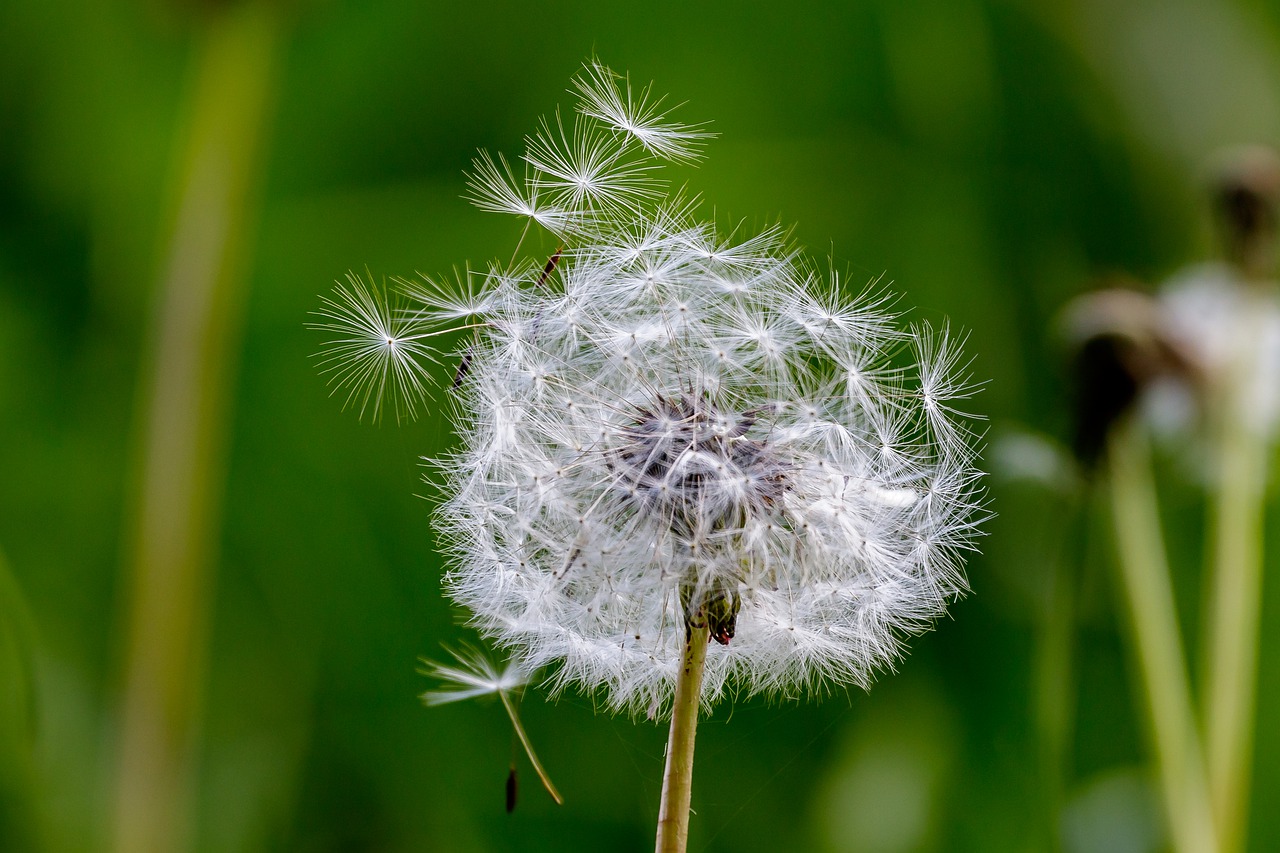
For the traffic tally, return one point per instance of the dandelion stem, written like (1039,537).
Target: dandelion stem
(1158,645)
(1230,644)
(677,779)
(528,748)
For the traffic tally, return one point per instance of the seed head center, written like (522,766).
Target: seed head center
(697,468)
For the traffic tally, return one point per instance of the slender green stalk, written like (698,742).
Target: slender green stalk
(528,748)
(1230,641)
(677,779)
(1158,644)
(1054,681)
(182,428)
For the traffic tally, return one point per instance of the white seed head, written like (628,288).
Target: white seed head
(1229,327)
(663,421)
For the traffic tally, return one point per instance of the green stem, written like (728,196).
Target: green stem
(1158,644)
(1053,686)
(677,779)
(528,748)
(183,417)
(1230,642)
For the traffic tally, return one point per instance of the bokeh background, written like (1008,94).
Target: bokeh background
(990,158)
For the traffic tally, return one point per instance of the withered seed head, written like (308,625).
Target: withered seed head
(1246,204)
(1121,343)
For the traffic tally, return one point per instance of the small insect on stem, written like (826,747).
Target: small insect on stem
(511,790)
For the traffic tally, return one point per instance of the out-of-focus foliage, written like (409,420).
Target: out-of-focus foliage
(988,156)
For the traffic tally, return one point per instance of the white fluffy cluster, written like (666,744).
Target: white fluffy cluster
(660,422)
(1225,324)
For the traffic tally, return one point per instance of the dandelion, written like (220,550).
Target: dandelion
(671,437)
(1207,344)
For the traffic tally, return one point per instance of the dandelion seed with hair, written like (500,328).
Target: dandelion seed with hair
(688,464)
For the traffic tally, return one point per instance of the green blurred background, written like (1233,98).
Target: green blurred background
(989,157)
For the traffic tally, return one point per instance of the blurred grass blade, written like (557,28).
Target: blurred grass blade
(18,715)
(183,423)
(1054,676)
(17,658)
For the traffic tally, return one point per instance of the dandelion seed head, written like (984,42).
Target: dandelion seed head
(667,421)
(1225,323)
